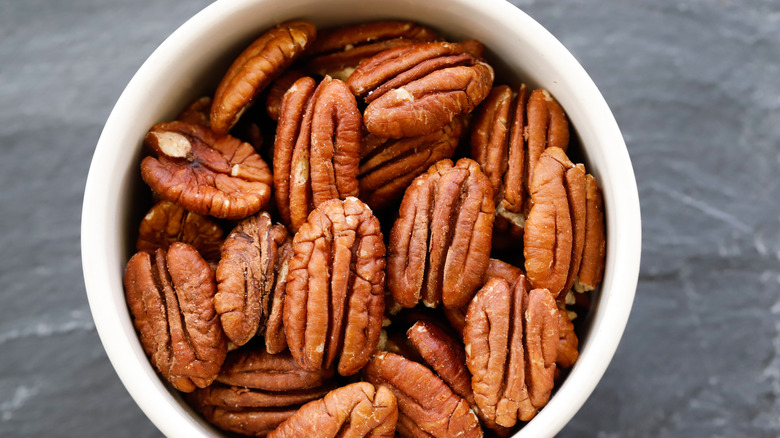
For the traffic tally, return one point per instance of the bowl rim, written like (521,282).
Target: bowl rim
(623,228)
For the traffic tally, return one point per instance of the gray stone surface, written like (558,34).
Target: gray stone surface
(694,86)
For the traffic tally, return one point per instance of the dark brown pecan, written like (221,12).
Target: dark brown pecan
(511,338)
(337,52)
(208,174)
(335,293)
(317,148)
(422,397)
(356,410)
(247,276)
(592,265)
(555,230)
(197,112)
(388,166)
(166,223)
(269,372)
(170,295)
(440,243)
(255,68)
(273,103)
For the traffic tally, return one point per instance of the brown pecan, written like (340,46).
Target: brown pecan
(208,174)
(275,339)
(197,112)
(317,148)
(246,276)
(511,338)
(592,265)
(335,292)
(337,52)
(422,397)
(166,223)
(440,243)
(247,421)
(499,269)
(269,372)
(388,166)
(555,230)
(273,103)
(567,351)
(170,295)
(255,68)
(356,410)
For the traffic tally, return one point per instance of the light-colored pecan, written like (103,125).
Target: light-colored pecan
(258,369)
(422,397)
(440,243)
(166,223)
(388,166)
(206,173)
(273,103)
(592,265)
(418,89)
(356,410)
(170,295)
(335,292)
(197,112)
(555,230)
(247,276)
(317,148)
(511,338)
(259,64)
(337,52)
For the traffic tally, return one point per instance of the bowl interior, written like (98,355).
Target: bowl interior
(189,64)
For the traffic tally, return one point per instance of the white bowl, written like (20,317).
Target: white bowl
(191,61)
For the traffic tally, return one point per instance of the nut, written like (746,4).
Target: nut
(269,372)
(317,148)
(166,223)
(255,68)
(422,397)
(416,90)
(337,52)
(197,113)
(440,243)
(273,103)
(246,276)
(356,410)
(335,292)
(568,344)
(206,173)
(170,295)
(592,265)
(388,166)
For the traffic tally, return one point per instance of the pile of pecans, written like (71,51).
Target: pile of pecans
(306,319)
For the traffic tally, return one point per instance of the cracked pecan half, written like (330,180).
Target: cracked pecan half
(317,148)
(356,410)
(440,243)
(259,64)
(259,369)
(511,338)
(416,90)
(206,173)
(423,397)
(337,52)
(554,235)
(166,223)
(592,266)
(388,166)
(170,295)
(335,292)
(247,276)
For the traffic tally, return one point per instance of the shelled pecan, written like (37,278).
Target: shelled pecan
(592,265)
(277,89)
(166,223)
(257,369)
(197,112)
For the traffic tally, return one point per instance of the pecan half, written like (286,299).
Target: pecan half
(440,243)
(197,112)
(555,230)
(388,166)
(337,52)
(356,410)
(273,103)
(317,148)
(422,397)
(592,265)
(511,338)
(255,68)
(568,351)
(335,292)
(170,295)
(246,276)
(269,372)
(166,223)
(418,89)
(208,174)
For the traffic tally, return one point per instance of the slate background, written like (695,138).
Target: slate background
(694,86)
